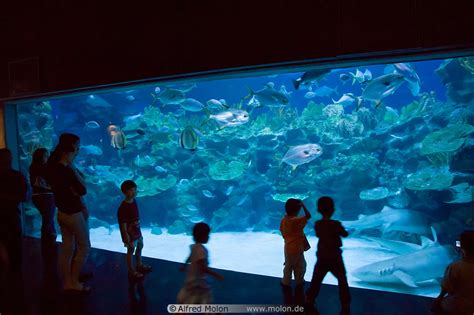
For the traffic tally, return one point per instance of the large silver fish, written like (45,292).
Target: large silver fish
(267,96)
(410,76)
(192,105)
(381,87)
(231,117)
(302,154)
(170,96)
(310,77)
(324,91)
(347,99)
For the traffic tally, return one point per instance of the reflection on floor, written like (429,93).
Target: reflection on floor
(113,294)
(227,250)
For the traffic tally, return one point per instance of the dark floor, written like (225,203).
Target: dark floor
(112,293)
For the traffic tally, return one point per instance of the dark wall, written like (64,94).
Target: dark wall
(87,43)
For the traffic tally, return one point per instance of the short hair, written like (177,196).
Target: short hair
(5,158)
(126,185)
(292,206)
(68,139)
(467,241)
(201,232)
(326,205)
(65,145)
(39,154)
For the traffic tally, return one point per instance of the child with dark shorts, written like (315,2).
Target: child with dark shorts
(129,222)
(329,255)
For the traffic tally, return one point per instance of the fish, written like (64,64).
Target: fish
(169,97)
(367,75)
(184,182)
(309,94)
(410,269)
(92,124)
(358,76)
(118,140)
(164,129)
(161,169)
(192,208)
(196,219)
(410,76)
(310,77)
(145,161)
(229,190)
(461,193)
(192,105)
(189,140)
(284,91)
(402,248)
(381,87)
(347,99)
(344,77)
(243,200)
(270,85)
(91,150)
(390,219)
(185,88)
(302,154)
(141,132)
(231,117)
(208,194)
(324,91)
(97,101)
(179,112)
(267,96)
(131,118)
(215,104)
(112,129)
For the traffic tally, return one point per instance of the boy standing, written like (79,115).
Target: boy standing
(196,289)
(129,222)
(291,227)
(329,255)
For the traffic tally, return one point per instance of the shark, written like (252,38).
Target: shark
(410,269)
(404,247)
(390,219)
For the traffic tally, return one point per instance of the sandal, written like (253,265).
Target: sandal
(144,268)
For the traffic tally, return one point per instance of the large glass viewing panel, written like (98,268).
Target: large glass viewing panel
(391,143)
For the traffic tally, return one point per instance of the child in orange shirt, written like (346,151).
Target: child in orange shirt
(291,227)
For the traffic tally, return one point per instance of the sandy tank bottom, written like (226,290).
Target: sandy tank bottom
(259,253)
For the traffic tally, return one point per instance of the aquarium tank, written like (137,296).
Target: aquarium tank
(392,144)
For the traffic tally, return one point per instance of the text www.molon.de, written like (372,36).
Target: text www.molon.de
(234,308)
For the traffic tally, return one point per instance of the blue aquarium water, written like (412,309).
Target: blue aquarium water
(391,143)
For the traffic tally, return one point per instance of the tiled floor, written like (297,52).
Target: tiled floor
(113,294)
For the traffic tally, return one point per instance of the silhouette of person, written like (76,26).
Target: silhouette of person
(13,189)
(196,289)
(457,287)
(329,254)
(291,228)
(129,223)
(69,188)
(42,196)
